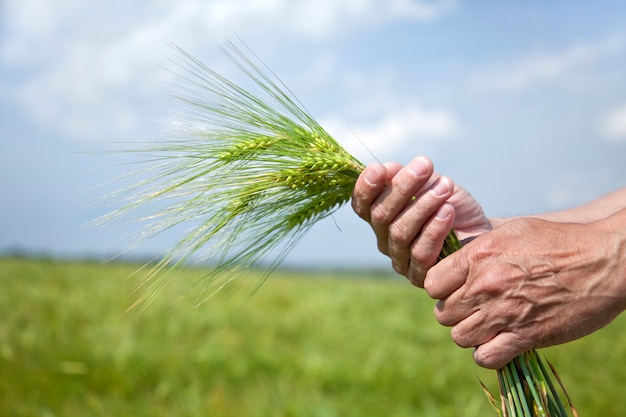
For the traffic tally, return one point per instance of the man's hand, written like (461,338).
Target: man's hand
(411,210)
(528,284)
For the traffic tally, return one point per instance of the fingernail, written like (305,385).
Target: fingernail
(371,177)
(419,167)
(444,212)
(441,187)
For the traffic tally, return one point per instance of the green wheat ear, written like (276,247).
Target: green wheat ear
(253,173)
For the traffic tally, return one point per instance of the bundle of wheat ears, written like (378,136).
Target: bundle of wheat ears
(253,172)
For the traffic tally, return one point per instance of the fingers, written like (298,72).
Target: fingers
(495,345)
(396,197)
(485,325)
(407,209)
(476,329)
(404,185)
(369,185)
(406,226)
(426,247)
(448,275)
(500,350)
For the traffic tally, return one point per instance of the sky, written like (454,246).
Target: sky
(522,103)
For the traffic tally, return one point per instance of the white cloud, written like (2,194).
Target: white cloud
(326,18)
(544,68)
(94,68)
(394,131)
(613,124)
(61,24)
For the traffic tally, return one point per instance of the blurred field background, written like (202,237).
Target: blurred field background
(306,344)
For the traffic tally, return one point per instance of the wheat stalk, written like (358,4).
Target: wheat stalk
(253,173)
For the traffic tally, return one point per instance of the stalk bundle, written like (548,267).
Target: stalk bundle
(254,172)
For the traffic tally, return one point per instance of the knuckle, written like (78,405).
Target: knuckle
(399,267)
(359,200)
(483,248)
(379,215)
(429,235)
(487,285)
(424,257)
(420,248)
(398,234)
(483,287)
(431,288)
(460,338)
(403,187)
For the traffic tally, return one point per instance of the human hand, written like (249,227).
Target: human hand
(528,284)
(411,210)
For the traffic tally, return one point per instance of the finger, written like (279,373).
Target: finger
(500,350)
(475,330)
(392,169)
(461,304)
(398,194)
(425,249)
(404,229)
(447,276)
(368,186)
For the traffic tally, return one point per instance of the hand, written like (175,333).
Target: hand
(528,284)
(411,210)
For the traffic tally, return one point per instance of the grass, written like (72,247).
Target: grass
(306,344)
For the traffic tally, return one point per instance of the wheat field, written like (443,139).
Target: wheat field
(307,343)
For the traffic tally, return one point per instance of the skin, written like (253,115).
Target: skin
(522,283)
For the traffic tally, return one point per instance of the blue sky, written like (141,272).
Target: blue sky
(523,103)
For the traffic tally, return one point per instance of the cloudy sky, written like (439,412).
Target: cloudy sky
(523,103)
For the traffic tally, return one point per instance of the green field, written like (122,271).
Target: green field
(306,344)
